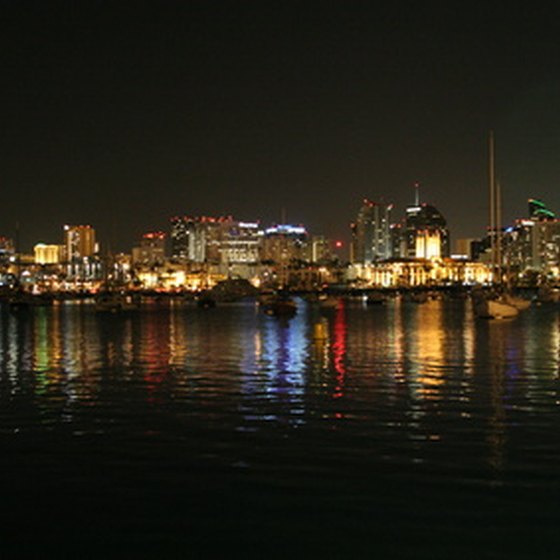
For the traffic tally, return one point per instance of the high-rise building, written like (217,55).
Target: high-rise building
(79,242)
(534,243)
(425,234)
(181,231)
(539,211)
(371,236)
(319,250)
(151,250)
(198,239)
(284,243)
(241,243)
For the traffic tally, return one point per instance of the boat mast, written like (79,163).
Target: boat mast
(492,205)
(499,263)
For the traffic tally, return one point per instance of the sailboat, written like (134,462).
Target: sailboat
(502,304)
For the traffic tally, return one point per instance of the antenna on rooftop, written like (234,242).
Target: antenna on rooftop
(417,194)
(17,247)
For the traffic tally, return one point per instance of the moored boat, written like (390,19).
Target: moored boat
(278,305)
(114,302)
(494,308)
(519,303)
(376,298)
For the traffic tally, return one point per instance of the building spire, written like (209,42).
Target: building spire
(417,193)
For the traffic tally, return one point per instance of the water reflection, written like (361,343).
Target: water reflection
(417,372)
(339,350)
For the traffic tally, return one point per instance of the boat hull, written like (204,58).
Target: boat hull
(495,309)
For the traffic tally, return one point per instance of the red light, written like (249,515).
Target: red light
(338,244)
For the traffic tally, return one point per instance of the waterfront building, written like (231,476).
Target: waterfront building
(410,273)
(371,236)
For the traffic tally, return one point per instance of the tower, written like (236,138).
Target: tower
(371,233)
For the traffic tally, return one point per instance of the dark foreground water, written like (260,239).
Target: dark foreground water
(410,431)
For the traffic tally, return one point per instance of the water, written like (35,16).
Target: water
(410,431)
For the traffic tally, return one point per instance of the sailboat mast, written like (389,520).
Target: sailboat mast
(492,203)
(499,262)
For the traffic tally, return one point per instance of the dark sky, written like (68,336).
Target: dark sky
(123,114)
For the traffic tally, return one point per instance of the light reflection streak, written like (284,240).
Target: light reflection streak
(285,354)
(469,340)
(339,350)
(429,343)
(155,351)
(501,349)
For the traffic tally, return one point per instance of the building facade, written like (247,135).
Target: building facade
(425,234)
(371,234)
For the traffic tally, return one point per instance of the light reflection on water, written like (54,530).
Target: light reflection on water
(408,391)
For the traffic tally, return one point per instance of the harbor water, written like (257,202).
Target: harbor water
(399,430)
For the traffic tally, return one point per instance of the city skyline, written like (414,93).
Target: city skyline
(121,118)
(342,244)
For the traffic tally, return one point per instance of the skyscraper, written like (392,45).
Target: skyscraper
(198,239)
(371,238)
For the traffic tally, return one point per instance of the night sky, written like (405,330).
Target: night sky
(122,114)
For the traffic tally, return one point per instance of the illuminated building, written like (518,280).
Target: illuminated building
(79,242)
(180,233)
(151,251)
(83,264)
(7,249)
(47,254)
(418,272)
(533,245)
(319,250)
(240,243)
(538,210)
(197,240)
(425,233)
(428,244)
(284,243)
(371,238)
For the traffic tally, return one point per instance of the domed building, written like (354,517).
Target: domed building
(426,234)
